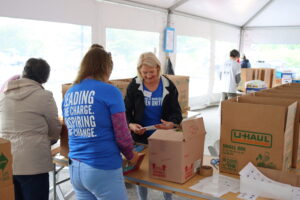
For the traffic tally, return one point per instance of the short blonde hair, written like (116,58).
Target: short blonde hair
(149,59)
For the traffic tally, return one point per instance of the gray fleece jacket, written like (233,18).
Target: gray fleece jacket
(29,120)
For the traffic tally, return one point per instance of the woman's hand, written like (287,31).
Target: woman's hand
(165,125)
(135,158)
(136,128)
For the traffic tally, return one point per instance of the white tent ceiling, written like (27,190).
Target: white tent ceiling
(241,13)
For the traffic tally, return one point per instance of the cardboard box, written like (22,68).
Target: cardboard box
(269,76)
(257,130)
(264,74)
(122,84)
(288,177)
(177,155)
(291,85)
(247,74)
(7,192)
(182,85)
(5,163)
(64,88)
(64,141)
(296,138)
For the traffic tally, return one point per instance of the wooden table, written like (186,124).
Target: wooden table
(141,177)
(61,162)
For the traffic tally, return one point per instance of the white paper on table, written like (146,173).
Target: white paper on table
(148,128)
(217,185)
(247,196)
(296,193)
(252,181)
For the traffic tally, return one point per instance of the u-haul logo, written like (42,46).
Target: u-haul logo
(251,138)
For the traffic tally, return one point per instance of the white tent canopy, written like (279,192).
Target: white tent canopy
(245,13)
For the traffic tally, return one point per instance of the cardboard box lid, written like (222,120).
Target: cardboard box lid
(167,135)
(193,126)
(289,104)
(190,128)
(5,146)
(3,141)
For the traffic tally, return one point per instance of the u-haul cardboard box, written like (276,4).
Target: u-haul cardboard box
(257,130)
(5,163)
(177,155)
(296,138)
(7,192)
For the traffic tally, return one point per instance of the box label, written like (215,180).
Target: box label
(188,171)
(251,138)
(4,176)
(3,161)
(230,164)
(158,171)
(263,160)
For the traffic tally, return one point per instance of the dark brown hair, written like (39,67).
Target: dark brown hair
(36,69)
(96,46)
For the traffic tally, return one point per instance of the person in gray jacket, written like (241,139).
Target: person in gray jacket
(29,120)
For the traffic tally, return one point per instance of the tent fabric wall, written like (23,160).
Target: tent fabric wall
(271,36)
(127,17)
(67,11)
(102,15)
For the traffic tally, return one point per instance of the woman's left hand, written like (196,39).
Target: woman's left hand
(165,125)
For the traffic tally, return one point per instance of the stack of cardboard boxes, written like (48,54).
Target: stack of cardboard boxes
(262,128)
(264,74)
(6,182)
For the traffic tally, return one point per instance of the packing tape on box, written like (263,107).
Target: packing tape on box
(206,170)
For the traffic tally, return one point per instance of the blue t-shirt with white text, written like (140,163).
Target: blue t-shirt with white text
(87,109)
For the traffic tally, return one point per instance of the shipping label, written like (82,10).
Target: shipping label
(158,171)
(188,171)
(230,164)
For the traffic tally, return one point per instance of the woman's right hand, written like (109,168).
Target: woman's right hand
(137,129)
(135,158)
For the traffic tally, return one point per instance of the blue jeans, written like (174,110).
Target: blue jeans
(95,184)
(143,193)
(31,187)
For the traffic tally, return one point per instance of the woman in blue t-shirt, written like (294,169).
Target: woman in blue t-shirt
(94,113)
(151,99)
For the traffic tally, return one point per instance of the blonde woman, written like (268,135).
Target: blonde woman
(151,99)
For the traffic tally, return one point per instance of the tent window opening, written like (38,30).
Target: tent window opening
(193,59)
(61,45)
(279,56)
(126,46)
